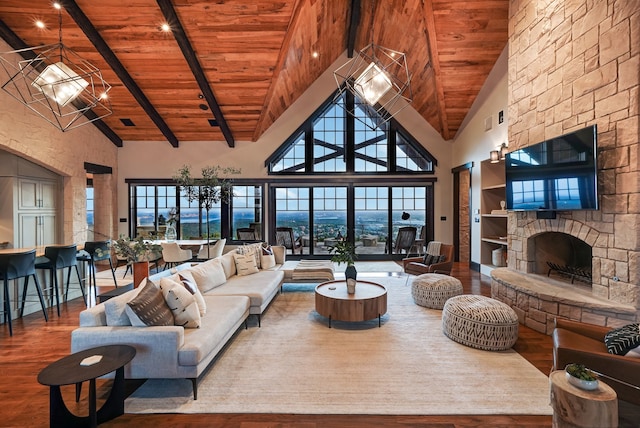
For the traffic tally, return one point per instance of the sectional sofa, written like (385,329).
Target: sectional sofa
(228,296)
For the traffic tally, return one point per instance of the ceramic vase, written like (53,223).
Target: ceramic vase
(140,272)
(171,234)
(350,274)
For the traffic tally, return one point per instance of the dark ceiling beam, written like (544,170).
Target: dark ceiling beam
(92,34)
(190,56)
(18,44)
(353,27)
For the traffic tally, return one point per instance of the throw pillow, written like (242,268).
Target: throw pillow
(245,264)
(428,258)
(190,284)
(208,275)
(267,259)
(253,250)
(228,264)
(621,340)
(181,302)
(149,305)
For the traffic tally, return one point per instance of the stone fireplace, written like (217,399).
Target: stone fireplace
(561,255)
(573,64)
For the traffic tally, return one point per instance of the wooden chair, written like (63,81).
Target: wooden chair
(404,240)
(419,243)
(284,237)
(246,234)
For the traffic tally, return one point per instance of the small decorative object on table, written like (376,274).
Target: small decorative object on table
(345,251)
(136,251)
(581,377)
(171,233)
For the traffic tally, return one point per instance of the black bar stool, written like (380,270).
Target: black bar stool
(93,252)
(14,266)
(60,257)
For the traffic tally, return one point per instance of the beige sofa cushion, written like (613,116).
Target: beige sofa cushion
(208,275)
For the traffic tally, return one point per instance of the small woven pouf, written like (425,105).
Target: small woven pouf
(480,322)
(431,290)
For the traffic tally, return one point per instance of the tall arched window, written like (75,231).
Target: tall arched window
(343,180)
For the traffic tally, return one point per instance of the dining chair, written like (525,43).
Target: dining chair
(173,255)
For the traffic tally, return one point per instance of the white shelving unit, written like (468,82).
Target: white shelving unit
(493,224)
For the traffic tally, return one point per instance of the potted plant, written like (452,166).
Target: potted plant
(580,376)
(137,252)
(345,252)
(209,190)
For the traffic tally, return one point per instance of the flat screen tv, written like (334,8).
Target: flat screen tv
(559,174)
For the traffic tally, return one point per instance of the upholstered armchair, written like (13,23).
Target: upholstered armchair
(581,343)
(416,265)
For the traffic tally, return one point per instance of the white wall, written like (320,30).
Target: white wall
(473,144)
(160,160)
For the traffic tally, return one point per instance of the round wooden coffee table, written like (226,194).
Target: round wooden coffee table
(368,302)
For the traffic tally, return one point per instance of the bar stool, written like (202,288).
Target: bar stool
(93,252)
(60,257)
(14,266)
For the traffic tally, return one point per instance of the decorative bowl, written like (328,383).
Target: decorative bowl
(581,377)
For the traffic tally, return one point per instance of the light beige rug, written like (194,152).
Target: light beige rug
(294,363)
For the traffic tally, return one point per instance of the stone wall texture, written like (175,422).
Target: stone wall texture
(572,64)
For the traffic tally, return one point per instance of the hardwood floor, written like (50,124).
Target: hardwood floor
(35,344)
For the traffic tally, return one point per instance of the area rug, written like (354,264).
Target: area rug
(296,364)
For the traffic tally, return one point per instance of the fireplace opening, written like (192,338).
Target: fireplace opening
(563,257)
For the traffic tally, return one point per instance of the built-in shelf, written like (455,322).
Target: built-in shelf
(493,227)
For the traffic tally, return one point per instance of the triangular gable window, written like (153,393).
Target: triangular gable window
(333,141)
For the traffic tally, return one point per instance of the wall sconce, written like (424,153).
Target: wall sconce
(499,154)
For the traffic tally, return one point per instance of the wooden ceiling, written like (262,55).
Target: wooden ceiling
(244,62)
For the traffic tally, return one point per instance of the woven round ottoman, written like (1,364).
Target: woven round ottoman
(480,322)
(431,290)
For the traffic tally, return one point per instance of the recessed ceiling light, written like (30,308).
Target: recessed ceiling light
(165,27)
(57,5)
(40,24)
(315,54)
(127,122)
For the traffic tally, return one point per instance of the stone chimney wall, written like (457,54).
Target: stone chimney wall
(575,63)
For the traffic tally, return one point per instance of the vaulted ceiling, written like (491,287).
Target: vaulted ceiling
(244,62)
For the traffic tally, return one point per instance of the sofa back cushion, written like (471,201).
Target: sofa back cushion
(208,275)
(115,308)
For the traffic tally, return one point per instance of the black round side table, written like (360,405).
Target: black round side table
(69,370)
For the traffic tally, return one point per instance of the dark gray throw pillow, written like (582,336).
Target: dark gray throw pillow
(621,340)
(428,259)
(149,305)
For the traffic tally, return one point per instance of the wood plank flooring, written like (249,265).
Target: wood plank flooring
(35,344)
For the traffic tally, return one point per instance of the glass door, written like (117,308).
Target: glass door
(329,219)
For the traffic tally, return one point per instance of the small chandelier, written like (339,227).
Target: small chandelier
(379,80)
(56,83)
